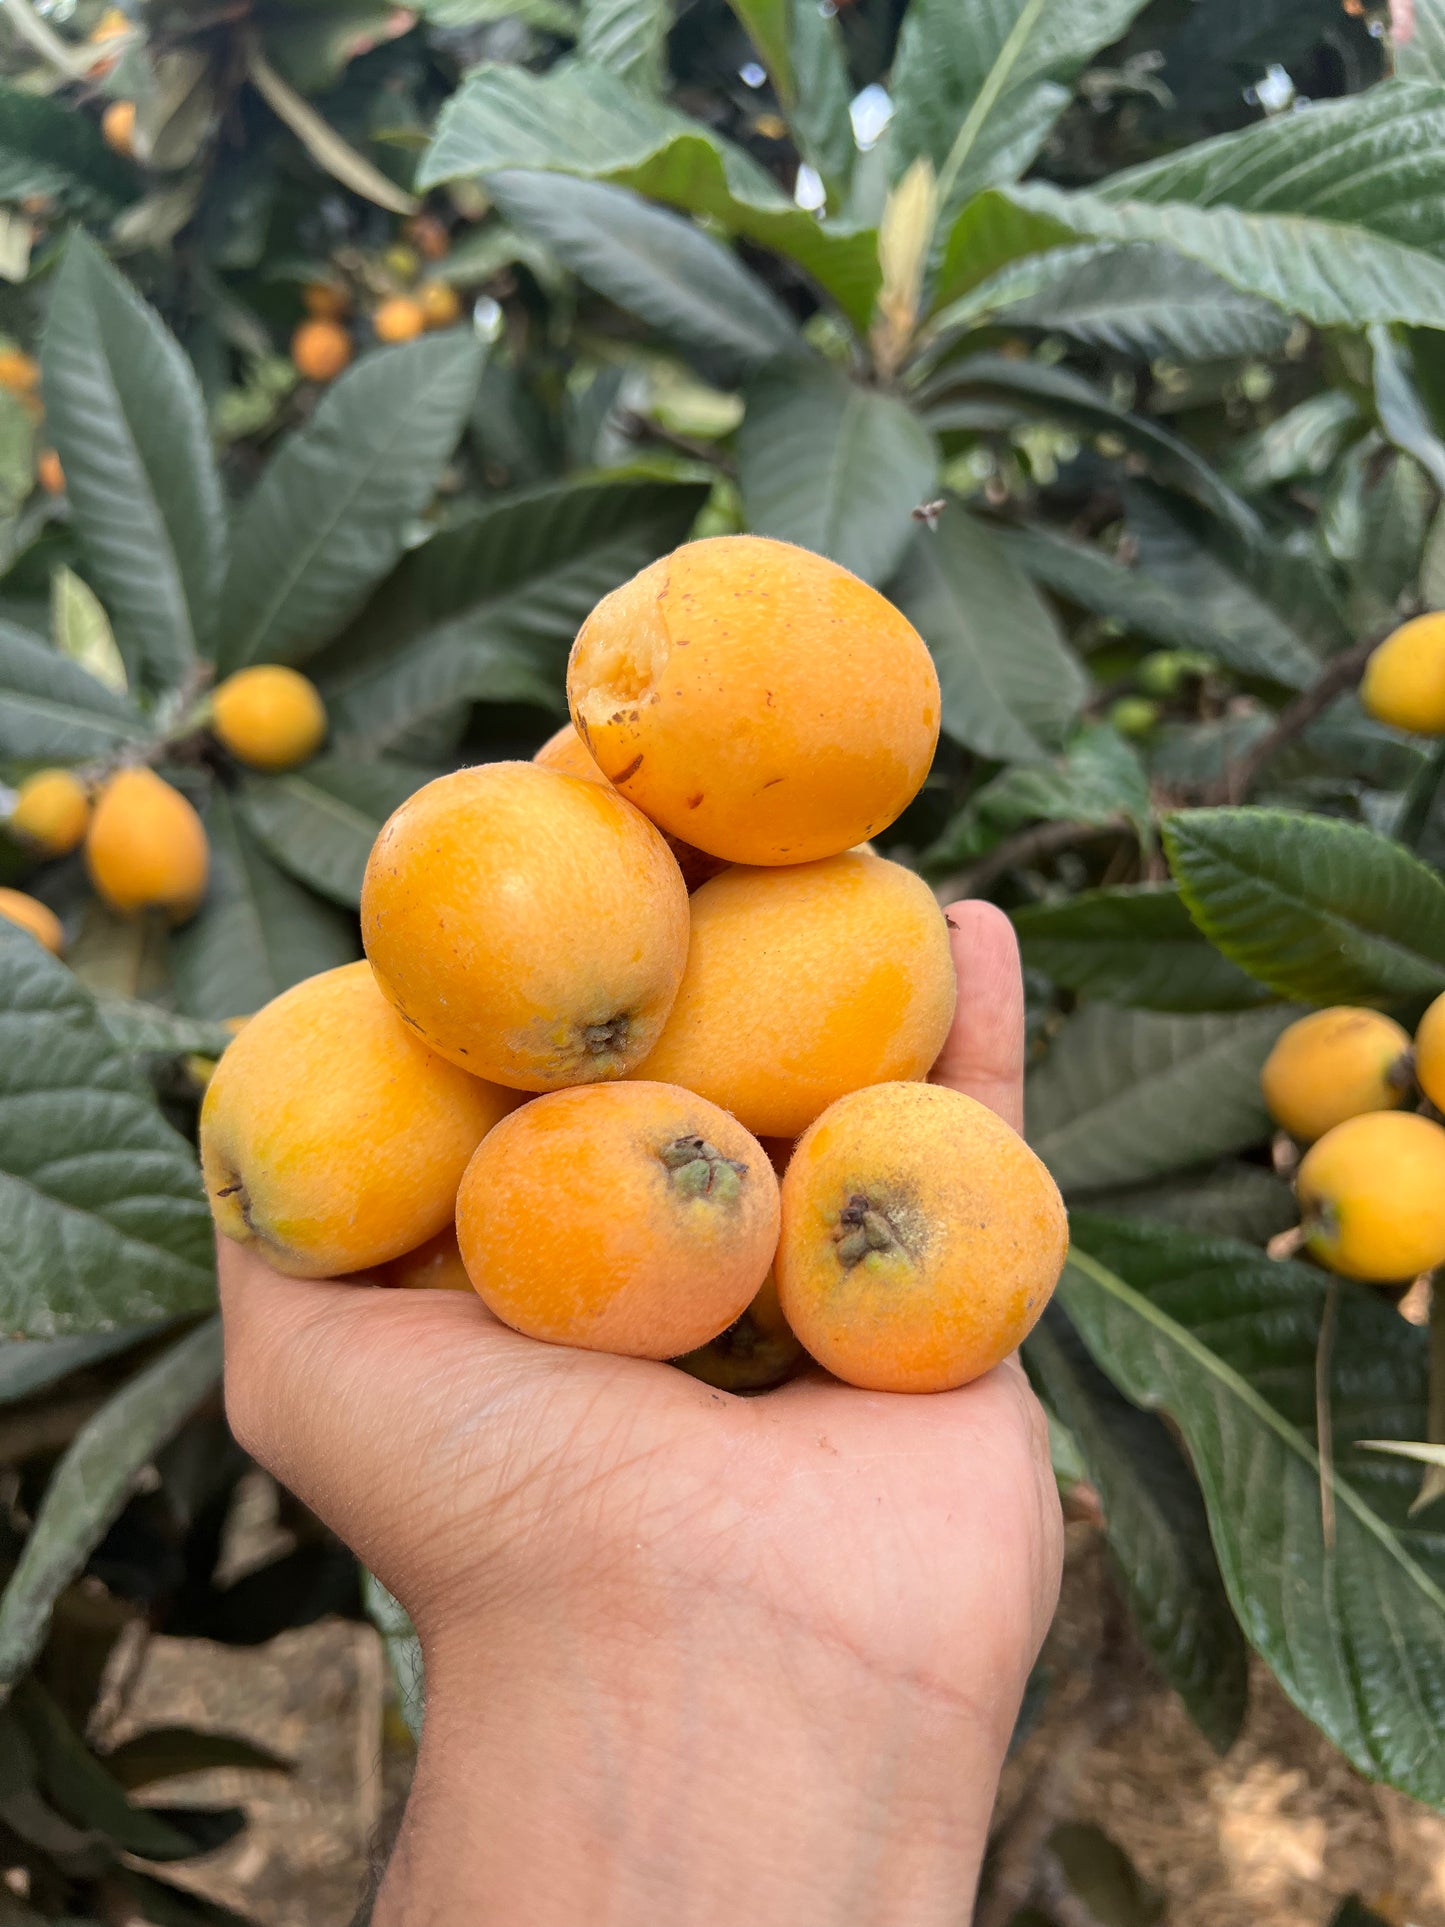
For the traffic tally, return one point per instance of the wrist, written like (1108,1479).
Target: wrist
(708,1765)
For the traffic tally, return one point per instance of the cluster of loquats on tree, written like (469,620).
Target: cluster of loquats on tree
(563,1079)
(146,850)
(1371,1186)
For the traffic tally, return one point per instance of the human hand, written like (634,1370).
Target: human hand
(689,1657)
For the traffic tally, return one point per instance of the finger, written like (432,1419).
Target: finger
(983,1054)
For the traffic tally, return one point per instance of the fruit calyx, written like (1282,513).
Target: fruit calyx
(861,1230)
(699,1170)
(606,1039)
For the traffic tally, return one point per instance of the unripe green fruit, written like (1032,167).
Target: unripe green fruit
(1134,715)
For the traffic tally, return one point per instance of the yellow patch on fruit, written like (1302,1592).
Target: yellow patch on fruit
(52,812)
(1404,680)
(269,717)
(1332,1065)
(1372,1196)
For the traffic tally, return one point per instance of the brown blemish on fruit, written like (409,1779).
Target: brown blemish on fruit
(693,801)
(626,775)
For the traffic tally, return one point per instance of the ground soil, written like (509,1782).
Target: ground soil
(1278,1832)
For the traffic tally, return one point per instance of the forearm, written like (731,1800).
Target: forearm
(745,1771)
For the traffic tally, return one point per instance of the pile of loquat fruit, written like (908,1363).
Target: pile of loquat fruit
(640,1045)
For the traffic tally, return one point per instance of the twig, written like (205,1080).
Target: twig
(74,62)
(1324,1416)
(1342,673)
(642,428)
(1025,847)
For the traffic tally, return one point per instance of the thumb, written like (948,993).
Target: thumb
(983,1054)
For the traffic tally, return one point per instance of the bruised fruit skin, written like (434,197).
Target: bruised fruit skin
(435,1266)
(35,917)
(629,1218)
(331,1140)
(52,812)
(1372,1196)
(1332,1065)
(567,752)
(269,717)
(921,1239)
(756,699)
(146,847)
(532,927)
(804,984)
(757,1351)
(1430,1053)
(1404,680)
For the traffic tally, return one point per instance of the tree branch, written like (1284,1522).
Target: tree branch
(1341,673)
(1025,847)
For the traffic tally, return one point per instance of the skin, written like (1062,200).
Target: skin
(1332,1065)
(1372,1196)
(1430,1053)
(803,984)
(146,847)
(269,716)
(690,1658)
(529,926)
(739,667)
(52,811)
(580,1212)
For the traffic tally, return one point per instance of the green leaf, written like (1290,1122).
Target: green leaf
(1124,1095)
(146,1028)
(1299,445)
(33,1364)
(257,933)
(46,147)
(1041,391)
(1011,686)
(1232,1199)
(328,519)
(582,120)
(1334,214)
(124,411)
(52,708)
(1402,413)
(1318,909)
(1100,779)
(1185,596)
(1137,946)
(1224,1340)
(656,264)
(1421,55)
(166,1752)
(977,84)
(92,1482)
(1157,1529)
(17,451)
(818,107)
(1142,300)
(106,1222)
(320,822)
(489,609)
(832,466)
(552,16)
(81,630)
(628,38)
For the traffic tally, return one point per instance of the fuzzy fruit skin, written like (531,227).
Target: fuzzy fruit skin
(435,1266)
(530,926)
(117,126)
(757,1351)
(807,983)
(37,918)
(578,1224)
(52,811)
(146,847)
(49,473)
(440,304)
(566,751)
(1332,1065)
(1372,1196)
(269,717)
(320,349)
(972,1236)
(346,1136)
(756,699)
(399,319)
(1430,1053)
(1404,680)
